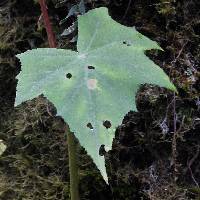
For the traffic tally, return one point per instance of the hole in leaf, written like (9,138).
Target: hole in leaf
(68,75)
(102,150)
(89,125)
(107,124)
(91,67)
(127,43)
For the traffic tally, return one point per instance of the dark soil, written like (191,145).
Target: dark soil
(156,151)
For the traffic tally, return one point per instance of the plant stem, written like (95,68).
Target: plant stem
(51,37)
(73,166)
(71,140)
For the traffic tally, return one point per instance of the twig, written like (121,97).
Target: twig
(180,52)
(190,162)
(174,147)
(129,3)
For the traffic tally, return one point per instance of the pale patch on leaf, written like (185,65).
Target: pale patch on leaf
(92,84)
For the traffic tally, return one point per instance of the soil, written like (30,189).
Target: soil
(156,151)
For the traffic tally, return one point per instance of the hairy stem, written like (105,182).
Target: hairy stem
(73,166)
(50,34)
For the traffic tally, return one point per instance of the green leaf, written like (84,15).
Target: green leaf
(2,147)
(103,78)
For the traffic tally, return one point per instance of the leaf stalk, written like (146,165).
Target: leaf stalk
(71,140)
(48,27)
(73,165)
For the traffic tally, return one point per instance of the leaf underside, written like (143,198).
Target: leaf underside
(95,85)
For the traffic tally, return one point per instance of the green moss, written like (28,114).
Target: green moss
(194,191)
(5,48)
(165,7)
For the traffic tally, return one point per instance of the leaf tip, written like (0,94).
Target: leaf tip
(18,56)
(105,177)
(173,88)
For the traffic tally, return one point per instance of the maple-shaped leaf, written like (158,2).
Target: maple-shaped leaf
(94,87)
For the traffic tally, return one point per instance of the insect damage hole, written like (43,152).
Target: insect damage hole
(68,75)
(127,43)
(91,67)
(107,124)
(89,125)
(102,150)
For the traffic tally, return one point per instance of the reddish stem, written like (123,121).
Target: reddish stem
(50,34)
